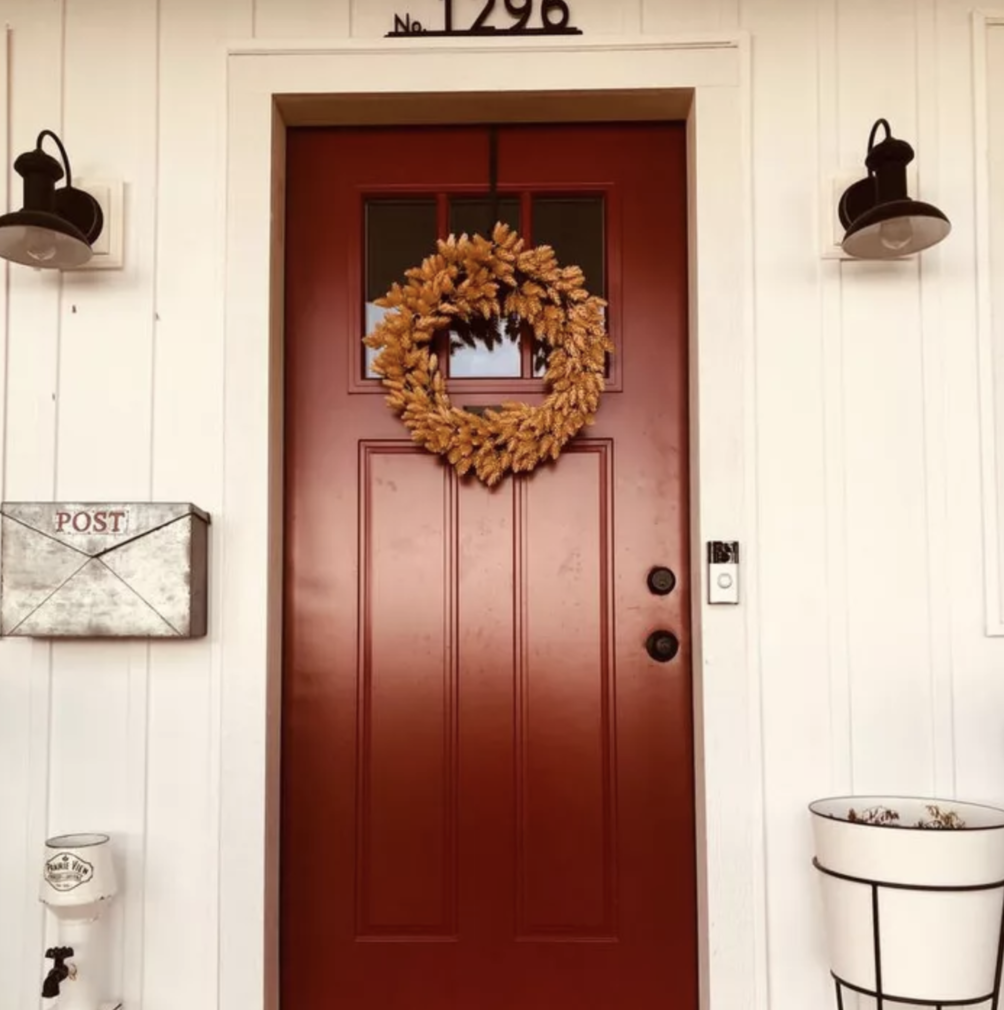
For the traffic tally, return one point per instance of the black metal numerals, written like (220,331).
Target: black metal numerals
(554,14)
(555,18)
(547,12)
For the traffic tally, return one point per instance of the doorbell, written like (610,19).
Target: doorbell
(723,571)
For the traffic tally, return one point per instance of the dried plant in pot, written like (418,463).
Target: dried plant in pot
(913,896)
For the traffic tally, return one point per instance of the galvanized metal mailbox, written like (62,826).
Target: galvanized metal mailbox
(77,570)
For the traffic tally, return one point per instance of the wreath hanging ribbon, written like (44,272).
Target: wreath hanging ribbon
(469,279)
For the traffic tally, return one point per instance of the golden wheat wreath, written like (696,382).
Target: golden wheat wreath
(476,278)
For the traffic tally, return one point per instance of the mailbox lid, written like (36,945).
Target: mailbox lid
(95,527)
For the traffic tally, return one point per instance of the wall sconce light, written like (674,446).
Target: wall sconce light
(56,227)
(881,220)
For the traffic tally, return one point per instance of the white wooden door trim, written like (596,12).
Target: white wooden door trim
(714,71)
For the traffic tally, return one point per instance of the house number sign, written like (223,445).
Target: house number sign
(521,17)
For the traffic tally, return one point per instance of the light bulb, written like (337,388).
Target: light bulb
(41,248)
(897,234)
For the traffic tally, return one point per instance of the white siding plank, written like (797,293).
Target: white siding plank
(937,340)
(91,787)
(302,19)
(33,314)
(795,698)
(99,689)
(105,369)
(990,244)
(35,102)
(677,17)
(181,951)
(16,701)
(4,265)
(888,562)
(830,311)
(995,208)
(21,937)
(978,661)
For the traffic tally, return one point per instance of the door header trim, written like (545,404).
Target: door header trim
(700,41)
(433,108)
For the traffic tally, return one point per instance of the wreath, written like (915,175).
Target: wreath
(478,279)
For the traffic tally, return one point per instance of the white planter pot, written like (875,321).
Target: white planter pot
(912,913)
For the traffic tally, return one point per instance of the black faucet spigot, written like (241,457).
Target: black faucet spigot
(58,973)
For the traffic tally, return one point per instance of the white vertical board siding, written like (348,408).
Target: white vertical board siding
(990,252)
(103,448)
(180,920)
(994,41)
(33,329)
(790,480)
(968,149)
(936,348)
(4,267)
(829,273)
(876,672)
(14,732)
(889,617)
(300,19)
(664,17)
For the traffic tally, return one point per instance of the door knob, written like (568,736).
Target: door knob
(661,581)
(662,646)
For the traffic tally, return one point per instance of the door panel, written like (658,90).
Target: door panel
(487,783)
(407,802)
(566,863)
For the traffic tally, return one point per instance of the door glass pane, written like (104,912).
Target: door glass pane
(399,235)
(474,214)
(574,228)
(484,349)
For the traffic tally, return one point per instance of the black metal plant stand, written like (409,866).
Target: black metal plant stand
(882,997)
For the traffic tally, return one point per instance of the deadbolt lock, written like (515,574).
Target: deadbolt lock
(661,581)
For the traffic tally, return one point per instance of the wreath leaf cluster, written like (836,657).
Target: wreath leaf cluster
(475,278)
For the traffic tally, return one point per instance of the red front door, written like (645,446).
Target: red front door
(487,780)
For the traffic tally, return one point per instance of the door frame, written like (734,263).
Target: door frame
(702,79)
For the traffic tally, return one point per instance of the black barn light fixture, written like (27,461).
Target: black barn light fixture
(56,227)
(881,220)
